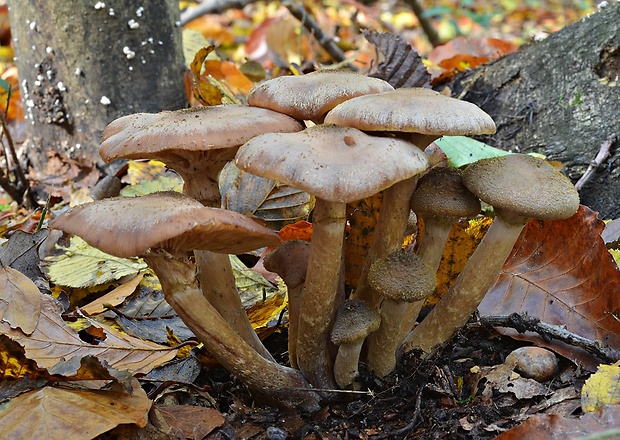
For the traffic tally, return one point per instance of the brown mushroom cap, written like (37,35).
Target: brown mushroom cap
(129,226)
(522,184)
(310,96)
(354,321)
(413,110)
(402,276)
(441,192)
(182,137)
(337,164)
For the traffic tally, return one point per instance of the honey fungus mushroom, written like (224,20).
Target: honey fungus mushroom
(337,165)
(163,228)
(520,188)
(197,143)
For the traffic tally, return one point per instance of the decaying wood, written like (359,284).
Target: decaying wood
(559,97)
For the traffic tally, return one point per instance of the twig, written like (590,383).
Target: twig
(212,7)
(523,323)
(21,188)
(601,157)
(327,42)
(425,23)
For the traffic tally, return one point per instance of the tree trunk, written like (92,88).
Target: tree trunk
(83,64)
(561,98)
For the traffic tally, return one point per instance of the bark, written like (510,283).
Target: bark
(559,97)
(75,57)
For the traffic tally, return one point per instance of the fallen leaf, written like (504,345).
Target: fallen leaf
(52,340)
(561,272)
(601,388)
(81,265)
(191,421)
(20,300)
(302,230)
(114,297)
(462,150)
(556,427)
(64,413)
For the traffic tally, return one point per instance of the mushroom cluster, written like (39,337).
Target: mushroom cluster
(364,137)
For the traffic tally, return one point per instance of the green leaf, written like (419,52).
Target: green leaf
(462,150)
(278,205)
(81,265)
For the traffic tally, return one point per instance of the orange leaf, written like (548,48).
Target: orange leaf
(560,272)
(302,230)
(229,73)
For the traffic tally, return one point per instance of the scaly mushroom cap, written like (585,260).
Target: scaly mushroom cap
(524,185)
(441,193)
(402,276)
(412,110)
(354,321)
(337,164)
(181,137)
(310,96)
(129,226)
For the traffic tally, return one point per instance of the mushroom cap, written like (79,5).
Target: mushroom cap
(311,96)
(336,164)
(523,185)
(355,320)
(441,193)
(180,137)
(129,226)
(289,261)
(412,110)
(402,276)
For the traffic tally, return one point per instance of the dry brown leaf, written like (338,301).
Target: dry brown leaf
(66,413)
(20,300)
(556,427)
(560,272)
(362,217)
(190,421)
(114,297)
(52,340)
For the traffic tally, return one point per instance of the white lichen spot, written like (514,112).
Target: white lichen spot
(151,51)
(130,54)
(49,50)
(105,100)
(133,24)
(150,40)
(78,146)
(49,74)
(37,83)
(161,43)
(111,12)
(78,72)
(177,23)
(33,47)
(61,86)
(40,77)
(131,68)
(99,5)
(140,11)
(33,25)
(30,103)
(602,5)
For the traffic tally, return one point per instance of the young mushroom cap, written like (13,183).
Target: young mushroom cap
(412,110)
(354,321)
(523,184)
(520,187)
(309,97)
(339,164)
(176,223)
(441,193)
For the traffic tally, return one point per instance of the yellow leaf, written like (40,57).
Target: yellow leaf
(602,388)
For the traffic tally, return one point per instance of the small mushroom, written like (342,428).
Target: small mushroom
(338,165)
(163,228)
(401,278)
(420,116)
(197,143)
(520,188)
(535,363)
(309,97)
(354,321)
(290,261)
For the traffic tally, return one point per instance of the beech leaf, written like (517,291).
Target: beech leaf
(20,300)
(560,272)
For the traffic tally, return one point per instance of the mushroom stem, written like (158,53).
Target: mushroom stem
(346,365)
(383,343)
(318,303)
(218,287)
(216,277)
(389,234)
(266,379)
(464,296)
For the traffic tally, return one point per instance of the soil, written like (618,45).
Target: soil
(435,398)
